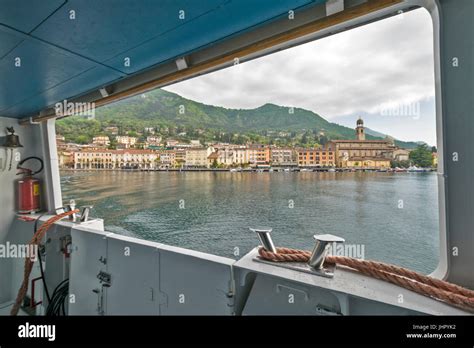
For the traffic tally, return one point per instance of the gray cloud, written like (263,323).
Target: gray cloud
(363,70)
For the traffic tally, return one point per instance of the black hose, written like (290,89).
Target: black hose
(57,305)
(29,158)
(43,278)
(41,261)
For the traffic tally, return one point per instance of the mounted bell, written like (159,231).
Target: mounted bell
(12,140)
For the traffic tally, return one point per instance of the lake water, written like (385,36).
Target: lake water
(393,215)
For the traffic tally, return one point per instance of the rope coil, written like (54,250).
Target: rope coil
(29,262)
(435,288)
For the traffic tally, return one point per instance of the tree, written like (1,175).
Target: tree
(241,140)
(323,140)
(304,138)
(82,139)
(113,144)
(421,156)
(399,164)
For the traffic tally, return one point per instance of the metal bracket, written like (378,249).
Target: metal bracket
(334,6)
(65,242)
(31,121)
(182,63)
(327,271)
(105,278)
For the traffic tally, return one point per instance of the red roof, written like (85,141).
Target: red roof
(131,151)
(360,141)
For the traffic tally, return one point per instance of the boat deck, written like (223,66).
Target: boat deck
(111,274)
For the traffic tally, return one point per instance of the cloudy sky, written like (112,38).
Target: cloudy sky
(382,71)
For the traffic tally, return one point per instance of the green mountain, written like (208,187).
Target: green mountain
(160,108)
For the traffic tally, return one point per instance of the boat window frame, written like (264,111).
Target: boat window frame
(431,6)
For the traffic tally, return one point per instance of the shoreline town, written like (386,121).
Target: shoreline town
(156,154)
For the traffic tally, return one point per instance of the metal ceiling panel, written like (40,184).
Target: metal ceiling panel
(25,15)
(64,57)
(8,41)
(41,68)
(234,17)
(103,29)
(87,80)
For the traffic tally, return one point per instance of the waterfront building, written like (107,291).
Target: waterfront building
(212,159)
(180,157)
(167,158)
(365,162)
(230,155)
(101,141)
(225,156)
(114,159)
(197,157)
(258,154)
(316,157)
(65,158)
(240,156)
(401,155)
(283,156)
(362,153)
(144,159)
(126,141)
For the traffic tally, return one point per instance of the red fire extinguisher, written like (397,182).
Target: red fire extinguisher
(28,188)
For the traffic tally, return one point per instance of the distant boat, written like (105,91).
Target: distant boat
(400,170)
(286,170)
(233,170)
(331,170)
(415,169)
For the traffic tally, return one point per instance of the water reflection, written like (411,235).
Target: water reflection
(211,212)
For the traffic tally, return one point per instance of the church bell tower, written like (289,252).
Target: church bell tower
(360,133)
